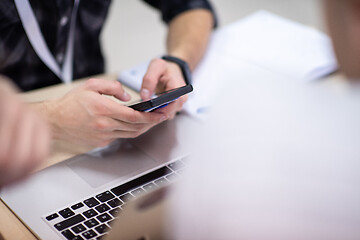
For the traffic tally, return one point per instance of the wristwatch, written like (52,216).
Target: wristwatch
(183,66)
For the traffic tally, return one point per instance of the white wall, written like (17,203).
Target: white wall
(134,31)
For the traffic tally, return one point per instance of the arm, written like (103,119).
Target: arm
(24,136)
(189,34)
(187,39)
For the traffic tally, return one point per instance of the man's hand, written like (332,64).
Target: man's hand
(163,76)
(187,39)
(85,116)
(24,136)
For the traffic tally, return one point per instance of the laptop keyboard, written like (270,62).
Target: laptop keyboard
(92,218)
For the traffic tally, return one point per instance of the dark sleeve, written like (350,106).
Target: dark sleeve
(171,8)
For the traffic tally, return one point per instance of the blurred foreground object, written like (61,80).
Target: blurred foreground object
(24,136)
(283,164)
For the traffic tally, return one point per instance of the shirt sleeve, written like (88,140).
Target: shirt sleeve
(171,8)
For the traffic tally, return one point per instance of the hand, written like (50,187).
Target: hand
(163,76)
(24,136)
(85,116)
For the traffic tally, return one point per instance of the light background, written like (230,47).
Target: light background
(134,31)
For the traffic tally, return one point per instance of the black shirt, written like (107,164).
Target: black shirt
(20,62)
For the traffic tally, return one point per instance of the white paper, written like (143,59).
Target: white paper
(281,45)
(133,77)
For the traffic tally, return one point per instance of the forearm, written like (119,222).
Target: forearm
(24,136)
(42,108)
(189,35)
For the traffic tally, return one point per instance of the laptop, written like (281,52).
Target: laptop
(80,198)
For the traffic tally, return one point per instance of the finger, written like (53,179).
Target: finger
(156,69)
(112,88)
(172,108)
(106,124)
(135,117)
(183,99)
(129,115)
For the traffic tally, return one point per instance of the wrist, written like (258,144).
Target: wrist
(183,56)
(47,109)
(184,67)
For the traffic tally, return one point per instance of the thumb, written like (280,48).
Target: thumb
(156,69)
(112,88)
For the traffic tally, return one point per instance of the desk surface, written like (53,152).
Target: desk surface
(10,226)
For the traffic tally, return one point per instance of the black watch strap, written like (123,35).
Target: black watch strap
(183,66)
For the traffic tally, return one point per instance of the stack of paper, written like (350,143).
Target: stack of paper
(281,45)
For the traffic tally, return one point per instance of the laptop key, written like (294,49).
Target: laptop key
(172,177)
(150,187)
(69,222)
(91,202)
(66,213)
(52,216)
(176,165)
(102,208)
(114,203)
(90,213)
(115,212)
(77,238)
(105,196)
(102,229)
(77,206)
(138,192)
(68,234)
(120,190)
(91,223)
(126,197)
(161,182)
(89,234)
(104,217)
(78,228)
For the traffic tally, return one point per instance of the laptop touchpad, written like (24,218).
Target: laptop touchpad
(119,160)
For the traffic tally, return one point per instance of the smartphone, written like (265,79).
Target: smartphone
(162,99)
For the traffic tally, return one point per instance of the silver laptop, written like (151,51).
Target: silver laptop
(81,197)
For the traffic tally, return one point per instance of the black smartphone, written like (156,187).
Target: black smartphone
(162,99)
